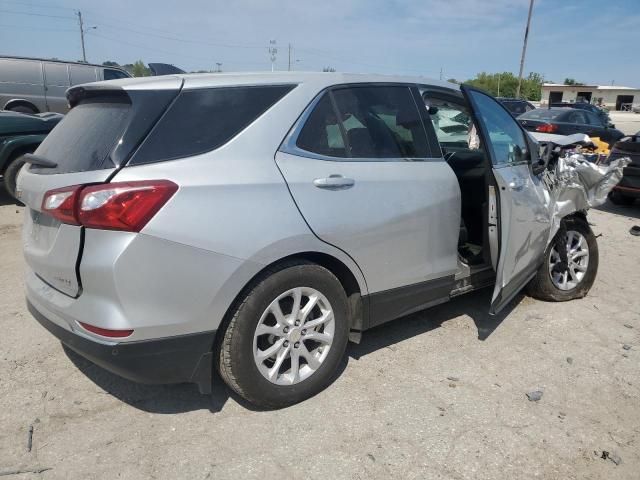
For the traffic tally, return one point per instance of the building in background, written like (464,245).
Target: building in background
(614,97)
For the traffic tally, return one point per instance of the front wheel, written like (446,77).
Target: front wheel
(570,264)
(286,336)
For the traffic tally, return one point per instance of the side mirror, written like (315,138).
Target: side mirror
(539,155)
(610,125)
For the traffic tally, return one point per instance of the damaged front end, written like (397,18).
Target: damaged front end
(573,183)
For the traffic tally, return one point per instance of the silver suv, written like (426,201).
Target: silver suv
(256,223)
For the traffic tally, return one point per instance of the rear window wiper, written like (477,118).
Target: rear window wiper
(39,161)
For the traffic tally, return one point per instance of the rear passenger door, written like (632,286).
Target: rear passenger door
(367,180)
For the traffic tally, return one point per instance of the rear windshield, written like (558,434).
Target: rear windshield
(542,114)
(202,120)
(86,136)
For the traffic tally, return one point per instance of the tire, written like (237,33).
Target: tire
(543,287)
(23,109)
(618,198)
(240,345)
(11,174)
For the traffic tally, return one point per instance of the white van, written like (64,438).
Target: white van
(33,85)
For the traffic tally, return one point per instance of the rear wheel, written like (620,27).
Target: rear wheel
(570,265)
(10,175)
(618,198)
(286,337)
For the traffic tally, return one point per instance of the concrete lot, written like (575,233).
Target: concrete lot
(440,394)
(627,122)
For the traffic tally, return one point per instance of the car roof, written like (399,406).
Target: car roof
(317,79)
(51,60)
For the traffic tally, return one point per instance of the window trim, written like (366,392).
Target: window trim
(289,144)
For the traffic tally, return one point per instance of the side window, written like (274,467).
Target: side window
(367,122)
(110,74)
(594,119)
(579,117)
(451,121)
(81,74)
(506,139)
(321,133)
(56,74)
(202,120)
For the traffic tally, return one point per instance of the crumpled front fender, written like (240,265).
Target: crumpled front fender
(575,185)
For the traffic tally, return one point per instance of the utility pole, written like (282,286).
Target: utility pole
(524,48)
(84,53)
(289,68)
(440,73)
(499,77)
(219,65)
(273,51)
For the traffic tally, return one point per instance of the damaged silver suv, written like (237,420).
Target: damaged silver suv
(255,223)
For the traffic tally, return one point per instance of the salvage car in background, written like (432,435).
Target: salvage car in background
(600,112)
(34,85)
(569,121)
(161,245)
(19,134)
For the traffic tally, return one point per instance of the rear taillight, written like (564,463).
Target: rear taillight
(124,206)
(61,203)
(547,128)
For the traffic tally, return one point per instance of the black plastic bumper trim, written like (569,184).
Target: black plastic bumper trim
(179,359)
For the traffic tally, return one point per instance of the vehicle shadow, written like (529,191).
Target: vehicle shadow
(6,199)
(171,399)
(629,211)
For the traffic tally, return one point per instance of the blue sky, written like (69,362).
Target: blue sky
(590,40)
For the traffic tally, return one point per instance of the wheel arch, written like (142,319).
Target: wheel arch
(17,102)
(14,149)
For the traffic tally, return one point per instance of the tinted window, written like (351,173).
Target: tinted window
(83,140)
(368,122)
(203,120)
(577,116)
(506,140)
(110,74)
(56,74)
(321,133)
(542,114)
(82,74)
(594,119)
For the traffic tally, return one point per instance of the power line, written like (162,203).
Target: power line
(33,14)
(38,5)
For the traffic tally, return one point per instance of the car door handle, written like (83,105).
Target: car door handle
(516,185)
(334,182)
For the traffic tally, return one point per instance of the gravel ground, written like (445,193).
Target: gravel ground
(627,122)
(439,394)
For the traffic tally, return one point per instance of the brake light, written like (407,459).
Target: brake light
(61,204)
(547,128)
(105,332)
(124,206)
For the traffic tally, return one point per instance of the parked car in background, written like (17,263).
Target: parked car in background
(628,190)
(19,134)
(567,121)
(635,109)
(160,244)
(31,85)
(602,113)
(516,106)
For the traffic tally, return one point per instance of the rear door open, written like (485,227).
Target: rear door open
(96,138)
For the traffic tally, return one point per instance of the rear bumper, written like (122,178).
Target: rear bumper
(179,359)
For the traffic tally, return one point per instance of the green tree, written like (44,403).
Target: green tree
(137,69)
(505,84)
(572,81)
(328,69)
(109,63)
